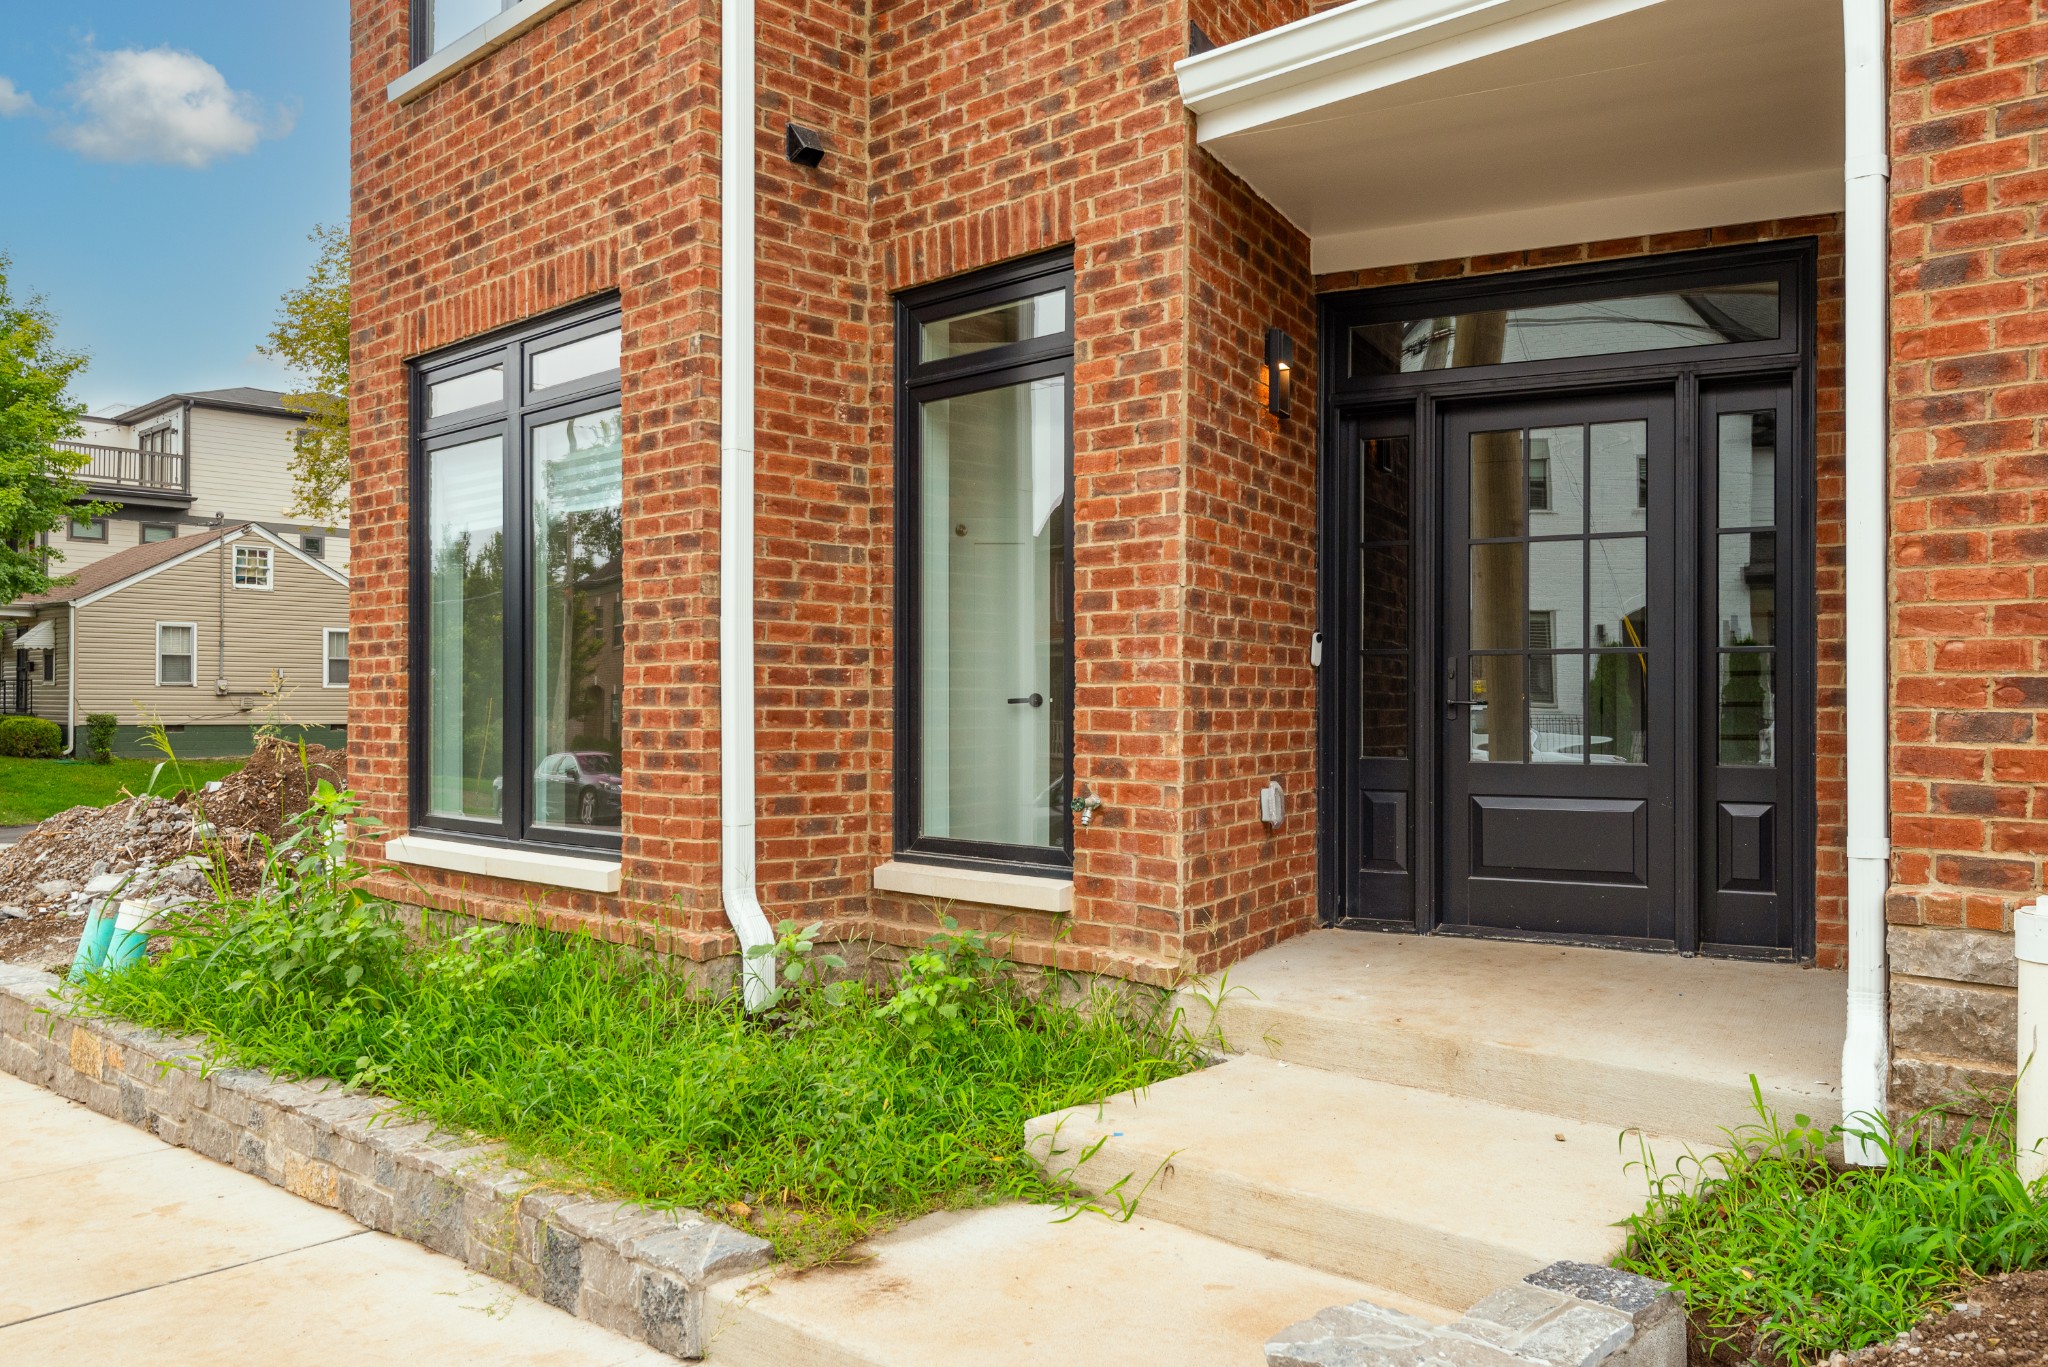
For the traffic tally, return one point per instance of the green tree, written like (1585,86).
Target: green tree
(311,336)
(39,487)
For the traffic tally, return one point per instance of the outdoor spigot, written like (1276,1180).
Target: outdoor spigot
(1085,808)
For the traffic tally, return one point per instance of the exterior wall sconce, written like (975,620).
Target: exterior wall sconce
(1279,372)
(804,146)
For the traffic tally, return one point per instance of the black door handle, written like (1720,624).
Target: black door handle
(1036,700)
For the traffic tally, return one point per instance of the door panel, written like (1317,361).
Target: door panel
(1371,657)
(1558,727)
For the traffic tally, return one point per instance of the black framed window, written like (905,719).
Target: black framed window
(517,565)
(985,427)
(437,23)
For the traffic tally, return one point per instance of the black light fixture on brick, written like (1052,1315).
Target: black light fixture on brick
(804,146)
(1279,372)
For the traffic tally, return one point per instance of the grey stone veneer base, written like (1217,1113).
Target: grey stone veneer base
(1567,1315)
(636,1271)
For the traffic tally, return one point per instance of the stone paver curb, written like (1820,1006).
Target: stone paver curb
(633,1270)
(1567,1315)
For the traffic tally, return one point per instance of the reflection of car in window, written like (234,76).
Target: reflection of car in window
(577,786)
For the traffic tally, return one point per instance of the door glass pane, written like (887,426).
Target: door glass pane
(998,325)
(1557,478)
(1499,597)
(465,629)
(1499,714)
(1710,315)
(1557,583)
(1748,707)
(1383,488)
(1557,719)
(576,591)
(1383,597)
(1618,588)
(1617,695)
(1748,573)
(1497,491)
(1383,705)
(1621,486)
(1749,469)
(993,680)
(473,390)
(586,356)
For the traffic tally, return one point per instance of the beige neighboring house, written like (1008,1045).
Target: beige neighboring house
(213,634)
(177,464)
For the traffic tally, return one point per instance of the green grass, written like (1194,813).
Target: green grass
(1783,1256)
(848,1109)
(32,789)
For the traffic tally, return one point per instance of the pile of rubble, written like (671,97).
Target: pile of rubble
(162,852)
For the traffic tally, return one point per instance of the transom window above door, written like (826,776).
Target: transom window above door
(985,748)
(518,566)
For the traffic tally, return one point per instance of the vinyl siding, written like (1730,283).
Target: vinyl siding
(241,465)
(266,631)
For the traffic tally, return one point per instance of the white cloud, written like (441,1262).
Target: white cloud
(163,105)
(13,100)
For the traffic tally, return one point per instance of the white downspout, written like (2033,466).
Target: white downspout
(736,502)
(1866,292)
(71,682)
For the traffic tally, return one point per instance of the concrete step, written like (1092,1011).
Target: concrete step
(1437,1197)
(1005,1286)
(1620,1039)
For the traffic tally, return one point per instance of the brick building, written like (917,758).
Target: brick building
(1218,468)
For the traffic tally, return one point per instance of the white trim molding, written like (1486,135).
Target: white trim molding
(1798,195)
(471,48)
(499,861)
(983,887)
(1364,46)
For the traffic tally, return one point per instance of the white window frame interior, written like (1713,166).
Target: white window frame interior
(269,567)
(327,657)
(192,627)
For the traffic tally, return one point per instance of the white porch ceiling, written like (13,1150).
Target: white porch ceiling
(1393,131)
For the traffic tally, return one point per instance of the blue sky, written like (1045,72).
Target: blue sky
(164,161)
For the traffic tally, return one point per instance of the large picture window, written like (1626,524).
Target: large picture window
(985,414)
(517,563)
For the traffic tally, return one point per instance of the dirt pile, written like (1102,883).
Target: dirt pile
(1999,1323)
(153,849)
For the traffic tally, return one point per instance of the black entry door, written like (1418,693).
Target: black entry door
(1558,722)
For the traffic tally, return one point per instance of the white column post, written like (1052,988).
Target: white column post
(2030,1121)
(1866,1054)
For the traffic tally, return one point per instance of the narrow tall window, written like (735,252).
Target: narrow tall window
(985,375)
(175,648)
(334,650)
(519,562)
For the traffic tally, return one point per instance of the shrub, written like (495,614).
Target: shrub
(99,736)
(30,738)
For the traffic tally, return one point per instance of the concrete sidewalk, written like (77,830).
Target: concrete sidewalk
(116,1248)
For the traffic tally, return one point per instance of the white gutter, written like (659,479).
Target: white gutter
(1866,291)
(736,503)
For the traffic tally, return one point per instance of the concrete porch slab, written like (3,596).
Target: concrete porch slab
(1651,1041)
(1005,1286)
(1438,1197)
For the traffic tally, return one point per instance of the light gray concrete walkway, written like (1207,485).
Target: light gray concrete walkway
(116,1249)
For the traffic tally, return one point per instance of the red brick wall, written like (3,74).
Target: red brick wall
(1830,861)
(1969,532)
(1969,476)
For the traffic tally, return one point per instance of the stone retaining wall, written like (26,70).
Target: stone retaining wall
(1567,1315)
(633,1270)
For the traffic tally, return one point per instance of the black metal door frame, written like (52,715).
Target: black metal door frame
(1422,399)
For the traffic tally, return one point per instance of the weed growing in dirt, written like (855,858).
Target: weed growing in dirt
(846,1108)
(1784,1256)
